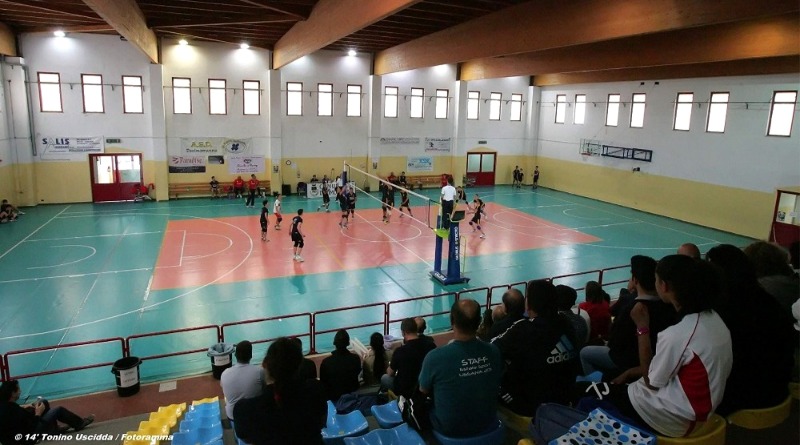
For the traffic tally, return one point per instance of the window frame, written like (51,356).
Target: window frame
(442,99)
(290,93)
(561,102)
(499,102)
(582,106)
(246,90)
(60,94)
(187,88)
(711,104)
(477,105)
(772,111)
(418,98)
(125,87)
(349,94)
(83,92)
(320,93)
(678,104)
(216,90)
(608,109)
(396,96)
(515,102)
(634,104)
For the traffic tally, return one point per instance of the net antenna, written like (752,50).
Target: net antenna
(424,209)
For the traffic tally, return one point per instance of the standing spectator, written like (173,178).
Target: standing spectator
(514,304)
(376,360)
(402,375)
(291,411)
(252,188)
(541,353)
(596,305)
(238,187)
(242,380)
(339,372)
(463,377)
(536,178)
(774,272)
(214,187)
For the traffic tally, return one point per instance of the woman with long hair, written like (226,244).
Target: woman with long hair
(376,361)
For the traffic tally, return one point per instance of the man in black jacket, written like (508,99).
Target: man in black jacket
(514,302)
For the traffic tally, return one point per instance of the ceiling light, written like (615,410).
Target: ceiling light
(59,33)
(352,53)
(244,46)
(182,42)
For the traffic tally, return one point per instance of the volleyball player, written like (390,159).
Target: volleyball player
(351,202)
(404,203)
(264,219)
(478,205)
(341,197)
(326,199)
(276,209)
(388,202)
(297,235)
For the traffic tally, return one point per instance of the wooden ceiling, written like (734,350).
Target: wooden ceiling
(555,41)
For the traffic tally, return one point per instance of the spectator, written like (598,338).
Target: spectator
(541,353)
(339,372)
(487,321)
(12,211)
(214,187)
(291,410)
(463,377)
(402,375)
(620,360)
(314,178)
(514,303)
(402,179)
(308,369)
(252,187)
(392,178)
(242,380)
(141,192)
(579,319)
(376,361)
(596,305)
(17,421)
(238,186)
(761,333)
(774,272)
(421,327)
(690,250)
(794,255)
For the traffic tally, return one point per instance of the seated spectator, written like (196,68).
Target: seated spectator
(761,332)
(392,178)
(308,369)
(794,255)
(541,353)
(19,421)
(690,250)
(5,217)
(421,327)
(596,305)
(314,178)
(625,298)
(774,272)
(620,360)
(514,304)
(242,380)
(238,187)
(214,187)
(686,377)
(141,192)
(377,360)
(403,372)
(579,319)
(291,410)
(486,323)
(12,211)
(339,372)
(463,377)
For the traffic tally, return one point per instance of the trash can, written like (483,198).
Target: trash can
(126,372)
(286,189)
(302,187)
(220,355)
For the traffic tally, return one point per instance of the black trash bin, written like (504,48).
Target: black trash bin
(126,372)
(220,355)
(302,187)
(286,189)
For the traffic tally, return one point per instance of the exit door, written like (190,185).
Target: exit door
(480,168)
(113,176)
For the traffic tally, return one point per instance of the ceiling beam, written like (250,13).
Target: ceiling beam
(8,42)
(266,5)
(767,37)
(250,20)
(129,21)
(105,27)
(330,20)
(544,24)
(750,67)
(61,10)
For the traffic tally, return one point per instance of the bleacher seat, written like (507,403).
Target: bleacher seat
(712,432)
(154,428)
(164,418)
(206,400)
(388,415)
(596,376)
(340,426)
(176,409)
(525,442)
(185,438)
(757,419)
(496,436)
(399,435)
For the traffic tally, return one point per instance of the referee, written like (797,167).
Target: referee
(448,202)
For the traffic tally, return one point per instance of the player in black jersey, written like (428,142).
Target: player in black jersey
(264,219)
(351,202)
(326,198)
(297,235)
(388,202)
(404,203)
(477,205)
(342,198)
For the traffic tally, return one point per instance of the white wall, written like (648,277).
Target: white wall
(740,157)
(506,136)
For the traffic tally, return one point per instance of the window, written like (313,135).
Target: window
(561,108)
(181,95)
(324,99)
(252,97)
(473,104)
(390,102)
(354,100)
(637,110)
(92,88)
(516,107)
(494,106)
(580,109)
(132,94)
(417,102)
(781,114)
(217,97)
(612,110)
(294,99)
(683,111)
(50,92)
(717,112)
(441,103)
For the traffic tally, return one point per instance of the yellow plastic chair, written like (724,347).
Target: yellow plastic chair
(526,442)
(794,390)
(514,421)
(206,400)
(176,408)
(759,419)
(391,395)
(164,418)
(712,432)
(132,441)
(154,428)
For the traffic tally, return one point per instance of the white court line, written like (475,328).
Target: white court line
(607,225)
(147,290)
(33,233)
(391,238)
(53,277)
(94,251)
(93,236)
(195,257)
(564,212)
(183,245)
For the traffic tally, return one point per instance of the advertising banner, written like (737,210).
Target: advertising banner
(215,146)
(187,164)
(437,144)
(419,164)
(238,165)
(69,148)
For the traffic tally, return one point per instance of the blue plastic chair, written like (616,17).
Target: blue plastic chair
(184,437)
(596,376)
(388,415)
(399,435)
(493,437)
(340,426)
(210,432)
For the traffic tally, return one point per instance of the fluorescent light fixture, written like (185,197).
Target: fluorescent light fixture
(59,33)
(182,42)
(352,53)
(244,46)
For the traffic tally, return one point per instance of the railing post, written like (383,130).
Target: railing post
(600,278)
(312,326)
(126,347)
(3,366)
(220,335)
(386,318)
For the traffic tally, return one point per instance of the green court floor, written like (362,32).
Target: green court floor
(81,272)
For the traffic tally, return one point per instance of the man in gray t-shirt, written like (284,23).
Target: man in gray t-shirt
(243,380)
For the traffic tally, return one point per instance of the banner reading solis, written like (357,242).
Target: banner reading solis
(69,148)
(245,164)
(187,164)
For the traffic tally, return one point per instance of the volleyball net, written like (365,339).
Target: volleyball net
(423,209)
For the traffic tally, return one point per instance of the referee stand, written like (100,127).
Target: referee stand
(452,275)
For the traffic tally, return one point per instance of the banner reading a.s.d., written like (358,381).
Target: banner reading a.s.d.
(245,164)
(69,148)
(215,146)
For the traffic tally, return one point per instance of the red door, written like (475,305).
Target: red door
(480,168)
(113,176)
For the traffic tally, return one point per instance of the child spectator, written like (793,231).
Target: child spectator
(596,305)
